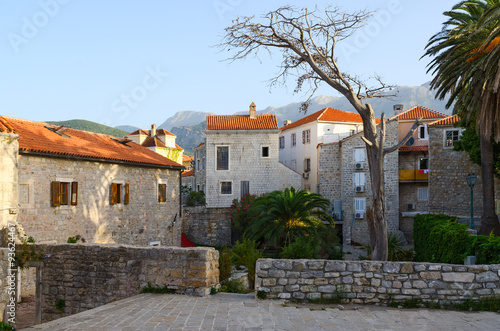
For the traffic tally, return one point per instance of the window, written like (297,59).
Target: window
(306,136)
(423,163)
(245,188)
(282,142)
(359,179)
(294,139)
(265,151)
(450,137)
(352,132)
(359,155)
(26,194)
(162,192)
(422,132)
(226,188)
(222,157)
(423,194)
(64,192)
(359,204)
(119,193)
(307,165)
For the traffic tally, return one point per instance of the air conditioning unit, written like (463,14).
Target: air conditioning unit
(360,189)
(358,214)
(359,166)
(305,175)
(411,206)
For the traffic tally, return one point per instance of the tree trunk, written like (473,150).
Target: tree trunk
(489,219)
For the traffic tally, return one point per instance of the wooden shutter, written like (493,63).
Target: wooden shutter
(56,193)
(127,195)
(74,193)
(114,193)
(162,192)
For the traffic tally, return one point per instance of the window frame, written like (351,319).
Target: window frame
(293,139)
(217,157)
(230,182)
(282,142)
(70,195)
(122,193)
(307,164)
(356,152)
(420,159)
(262,151)
(161,190)
(426,132)
(359,179)
(306,136)
(420,196)
(30,194)
(445,138)
(355,207)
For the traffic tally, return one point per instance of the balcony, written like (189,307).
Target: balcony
(413,175)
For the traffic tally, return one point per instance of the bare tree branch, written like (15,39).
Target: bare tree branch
(405,139)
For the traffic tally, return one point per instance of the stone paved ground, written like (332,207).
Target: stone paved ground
(243,312)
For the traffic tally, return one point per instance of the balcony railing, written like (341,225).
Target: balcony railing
(413,175)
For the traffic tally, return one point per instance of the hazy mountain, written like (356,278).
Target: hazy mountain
(184,118)
(90,126)
(189,137)
(127,128)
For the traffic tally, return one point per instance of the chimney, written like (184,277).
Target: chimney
(253,112)
(398,109)
(153,130)
(286,122)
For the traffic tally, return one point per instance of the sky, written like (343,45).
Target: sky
(131,62)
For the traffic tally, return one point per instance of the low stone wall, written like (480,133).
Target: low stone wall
(88,276)
(372,281)
(207,226)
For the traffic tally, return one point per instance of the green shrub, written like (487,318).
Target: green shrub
(157,290)
(225,264)
(71,240)
(196,198)
(302,248)
(439,238)
(60,305)
(245,253)
(5,326)
(233,286)
(261,294)
(396,252)
(241,213)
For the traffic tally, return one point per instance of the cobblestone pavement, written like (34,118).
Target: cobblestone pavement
(243,312)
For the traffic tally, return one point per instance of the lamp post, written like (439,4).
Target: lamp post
(471,181)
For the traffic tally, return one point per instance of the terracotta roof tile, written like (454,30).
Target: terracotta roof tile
(242,122)
(201,144)
(159,132)
(418,111)
(328,115)
(139,132)
(188,173)
(413,148)
(153,142)
(450,120)
(36,137)
(186,158)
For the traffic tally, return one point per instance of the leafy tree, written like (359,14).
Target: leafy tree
(465,64)
(306,41)
(284,215)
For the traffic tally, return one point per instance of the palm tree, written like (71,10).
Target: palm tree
(284,215)
(465,65)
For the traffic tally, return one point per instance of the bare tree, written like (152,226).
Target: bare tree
(307,41)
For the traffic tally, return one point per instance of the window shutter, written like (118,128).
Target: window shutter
(127,195)
(162,192)
(56,193)
(114,193)
(74,193)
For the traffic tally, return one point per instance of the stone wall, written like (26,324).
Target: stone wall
(374,281)
(207,226)
(9,147)
(94,218)
(336,182)
(4,283)
(264,174)
(88,276)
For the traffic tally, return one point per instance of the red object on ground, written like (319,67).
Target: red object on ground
(185,242)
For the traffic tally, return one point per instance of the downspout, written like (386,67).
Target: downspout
(180,193)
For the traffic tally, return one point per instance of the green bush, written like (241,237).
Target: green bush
(233,286)
(225,264)
(196,198)
(241,212)
(439,238)
(245,253)
(396,252)
(302,248)
(6,326)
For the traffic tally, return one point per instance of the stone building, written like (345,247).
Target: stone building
(78,183)
(344,179)
(160,141)
(448,189)
(298,140)
(413,164)
(240,155)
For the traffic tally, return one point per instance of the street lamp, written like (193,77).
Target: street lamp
(471,181)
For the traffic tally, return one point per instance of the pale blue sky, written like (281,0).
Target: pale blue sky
(64,59)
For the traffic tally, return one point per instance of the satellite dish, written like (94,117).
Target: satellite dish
(410,141)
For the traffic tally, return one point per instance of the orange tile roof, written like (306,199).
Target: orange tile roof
(153,142)
(413,148)
(201,144)
(35,137)
(242,122)
(329,115)
(186,158)
(188,173)
(6,127)
(418,111)
(159,132)
(450,120)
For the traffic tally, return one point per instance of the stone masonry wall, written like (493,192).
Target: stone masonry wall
(88,276)
(207,226)
(265,174)
(141,221)
(374,281)
(448,189)
(9,147)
